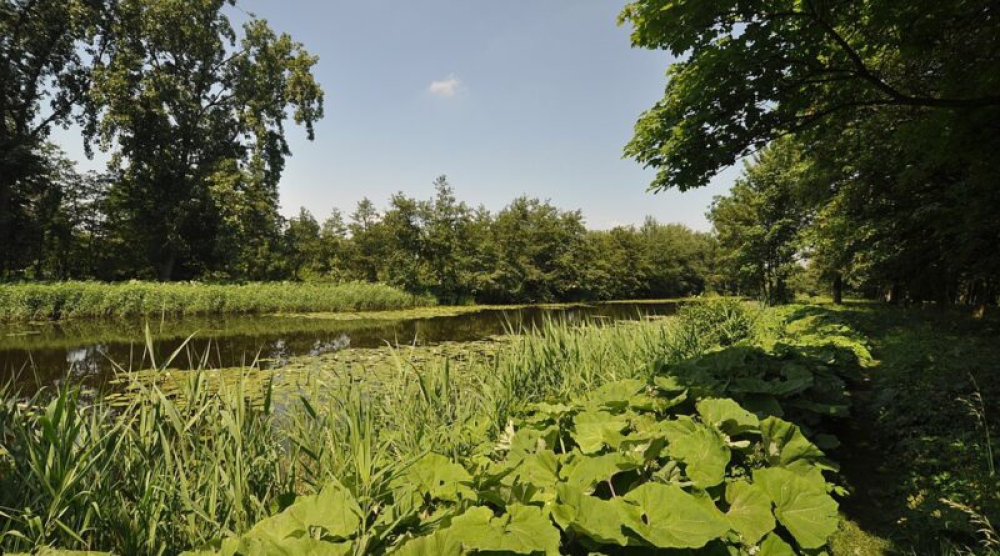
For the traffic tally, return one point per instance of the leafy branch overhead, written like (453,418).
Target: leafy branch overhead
(750,71)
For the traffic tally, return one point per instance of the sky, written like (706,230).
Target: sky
(510,98)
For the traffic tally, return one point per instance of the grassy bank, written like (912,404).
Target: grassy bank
(921,455)
(505,447)
(72,300)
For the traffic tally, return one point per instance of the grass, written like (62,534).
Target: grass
(75,300)
(921,445)
(190,456)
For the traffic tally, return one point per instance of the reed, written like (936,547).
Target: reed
(74,300)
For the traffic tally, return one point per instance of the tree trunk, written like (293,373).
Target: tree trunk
(895,293)
(165,267)
(838,289)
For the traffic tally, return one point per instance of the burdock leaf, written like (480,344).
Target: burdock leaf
(801,505)
(704,452)
(749,510)
(667,517)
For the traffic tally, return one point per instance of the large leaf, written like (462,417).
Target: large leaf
(784,444)
(728,416)
(615,395)
(593,430)
(801,505)
(292,546)
(522,530)
(749,510)
(703,451)
(667,517)
(437,478)
(774,545)
(439,543)
(584,472)
(333,511)
(597,519)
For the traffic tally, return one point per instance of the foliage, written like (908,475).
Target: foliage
(890,109)
(750,71)
(627,465)
(46,52)
(530,251)
(573,416)
(66,300)
(760,221)
(184,104)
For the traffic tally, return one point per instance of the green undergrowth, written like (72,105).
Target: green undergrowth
(707,433)
(928,460)
(69,300)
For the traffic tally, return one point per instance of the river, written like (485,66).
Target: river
(90,350)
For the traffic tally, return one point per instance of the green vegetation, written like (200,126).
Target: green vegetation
(869,130)
(543,433)
(68,300)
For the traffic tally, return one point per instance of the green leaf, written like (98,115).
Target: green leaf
(801,505)
(784,444)
(584,472)
(439,543)
(529,440)
(667,517)
(774,545)
(704,453)
(728,416)
(615,395)
(594,518)
(333,510)
(593,430)
(749,510)
(437,477)
(522,530)
(292,546)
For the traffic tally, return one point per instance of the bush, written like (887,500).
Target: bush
(719,322)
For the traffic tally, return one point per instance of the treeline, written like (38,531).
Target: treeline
(530,251)
(192,111)
(872,130)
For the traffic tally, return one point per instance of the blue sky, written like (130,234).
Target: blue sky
(506,98)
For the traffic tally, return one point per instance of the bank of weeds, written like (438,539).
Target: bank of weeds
(76,300)
(207,458)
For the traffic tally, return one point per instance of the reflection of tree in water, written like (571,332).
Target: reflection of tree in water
(89,350)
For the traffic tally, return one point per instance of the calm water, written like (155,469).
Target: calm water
(47,353)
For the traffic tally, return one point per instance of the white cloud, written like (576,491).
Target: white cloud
(445,88)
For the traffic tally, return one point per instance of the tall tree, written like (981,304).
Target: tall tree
(759,223)
(754,70)
(46,51)
(181,96)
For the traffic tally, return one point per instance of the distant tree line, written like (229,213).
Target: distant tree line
(871,131)
(529,251)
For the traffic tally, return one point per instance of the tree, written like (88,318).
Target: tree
(760,222)
(448,247)
(755,70)
(46,51)
(182,100)
(305,247)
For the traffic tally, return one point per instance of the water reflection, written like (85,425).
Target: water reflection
(91,350)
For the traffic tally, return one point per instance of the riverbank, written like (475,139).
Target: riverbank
(57,301)
(572,414)
(543,429)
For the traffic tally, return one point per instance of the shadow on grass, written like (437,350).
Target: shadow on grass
(912,442)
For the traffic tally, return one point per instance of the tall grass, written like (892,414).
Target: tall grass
(170,471)
(64,300)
